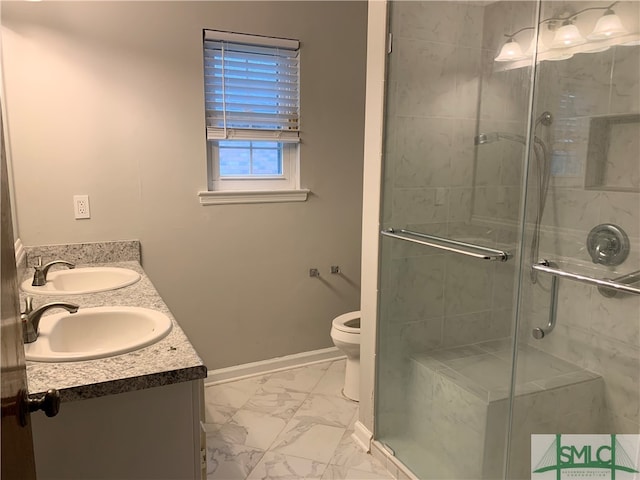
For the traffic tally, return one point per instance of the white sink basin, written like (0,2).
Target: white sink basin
(83,280)
(96,333)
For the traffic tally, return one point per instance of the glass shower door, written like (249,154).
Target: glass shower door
(455,152)
(582,375)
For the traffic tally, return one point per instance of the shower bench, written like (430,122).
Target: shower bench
(459,406)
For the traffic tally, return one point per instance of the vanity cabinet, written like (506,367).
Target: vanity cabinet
(153,433)
(136,415)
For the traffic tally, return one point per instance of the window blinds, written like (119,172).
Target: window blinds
(251,87)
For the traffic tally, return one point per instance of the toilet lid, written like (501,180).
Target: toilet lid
(348,322)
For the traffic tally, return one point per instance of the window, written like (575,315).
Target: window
(252,104)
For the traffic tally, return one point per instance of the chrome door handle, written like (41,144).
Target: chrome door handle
(606,287)
(618,286)
(448,244)
(628,279)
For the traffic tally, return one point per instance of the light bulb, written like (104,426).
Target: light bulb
(567,35)
(510,51)
(607,26)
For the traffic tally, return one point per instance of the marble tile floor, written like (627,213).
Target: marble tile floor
(292,424)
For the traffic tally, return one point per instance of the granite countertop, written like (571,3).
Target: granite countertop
(171,360)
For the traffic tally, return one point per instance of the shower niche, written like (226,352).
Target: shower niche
(612,161)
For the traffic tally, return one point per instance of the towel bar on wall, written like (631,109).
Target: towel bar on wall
(448,244)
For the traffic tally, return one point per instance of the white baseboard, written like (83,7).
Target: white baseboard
(20,252)
(238,372)
(362,436)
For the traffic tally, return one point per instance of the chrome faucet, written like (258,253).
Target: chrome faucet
(31,318)
(40,275)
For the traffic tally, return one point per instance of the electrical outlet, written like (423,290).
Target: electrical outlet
(81,206)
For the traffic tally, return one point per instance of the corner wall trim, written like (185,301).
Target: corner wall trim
(20,252)
(277,364)
(362,436)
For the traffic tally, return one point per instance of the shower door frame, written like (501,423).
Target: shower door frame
(372,208)
(378,47)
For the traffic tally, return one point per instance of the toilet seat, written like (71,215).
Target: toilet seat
(348,322)
(345,334)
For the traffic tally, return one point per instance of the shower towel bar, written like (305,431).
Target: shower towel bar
(615,285)
(448,244)
(628,279)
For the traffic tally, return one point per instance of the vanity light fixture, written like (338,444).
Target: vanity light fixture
(608,25)
(567,35)
(510,51)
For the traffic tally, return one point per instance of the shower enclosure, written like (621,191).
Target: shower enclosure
(509,285)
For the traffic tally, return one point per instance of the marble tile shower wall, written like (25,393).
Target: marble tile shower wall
(441,89)
(504,107)
(597,333)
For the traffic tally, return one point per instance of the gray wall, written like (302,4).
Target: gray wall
(106,99)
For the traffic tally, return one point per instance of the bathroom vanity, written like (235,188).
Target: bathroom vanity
(135,415)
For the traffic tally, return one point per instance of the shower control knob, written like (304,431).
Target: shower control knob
(608,244)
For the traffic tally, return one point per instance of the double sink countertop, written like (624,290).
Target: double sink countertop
(170,360)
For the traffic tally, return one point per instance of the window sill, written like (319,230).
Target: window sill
(252,196)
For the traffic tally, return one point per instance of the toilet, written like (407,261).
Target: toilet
(345,333)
